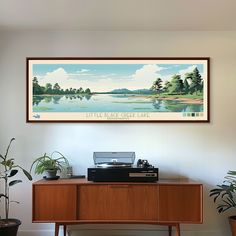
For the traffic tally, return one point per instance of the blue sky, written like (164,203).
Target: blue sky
(100,69)
(42,69)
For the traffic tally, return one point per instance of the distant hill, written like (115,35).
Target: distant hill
(121,91)
(127,91)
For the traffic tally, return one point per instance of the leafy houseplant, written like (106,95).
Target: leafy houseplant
(8,170)
(225,197)
(50,164)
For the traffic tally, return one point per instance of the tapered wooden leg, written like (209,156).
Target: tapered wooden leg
(57,226)
(170,230)
(64,229)
(177,229)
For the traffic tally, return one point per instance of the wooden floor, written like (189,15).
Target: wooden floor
(107,230)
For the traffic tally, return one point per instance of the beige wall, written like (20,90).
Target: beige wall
(203,152)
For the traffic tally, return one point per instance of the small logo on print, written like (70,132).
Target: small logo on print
(37,116)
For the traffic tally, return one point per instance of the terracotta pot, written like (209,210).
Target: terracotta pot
(232,222)
(10,227)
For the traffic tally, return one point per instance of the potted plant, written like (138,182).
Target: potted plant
(50,165)
(225,197)
(8,171)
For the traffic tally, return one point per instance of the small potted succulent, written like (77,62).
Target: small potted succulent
(225,197)
(50,165)
(8,173)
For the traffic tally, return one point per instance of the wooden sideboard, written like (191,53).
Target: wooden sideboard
(76,201)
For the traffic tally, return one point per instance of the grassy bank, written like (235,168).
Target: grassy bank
(179,96)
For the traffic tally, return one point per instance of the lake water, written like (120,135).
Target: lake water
(109,103)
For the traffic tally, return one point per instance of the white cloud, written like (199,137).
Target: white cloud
(67,80)
(54,77)
(78,74)
(82,71)
(112,75)
(59,76)
(144,77)
(147,71)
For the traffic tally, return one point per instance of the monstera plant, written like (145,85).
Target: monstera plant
(8,174)
(225,197)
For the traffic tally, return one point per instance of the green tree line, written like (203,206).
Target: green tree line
(55,89)
(192,83)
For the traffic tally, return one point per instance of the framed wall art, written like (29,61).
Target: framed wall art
(118,89)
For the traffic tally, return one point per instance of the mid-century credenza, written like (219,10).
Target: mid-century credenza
(78,201)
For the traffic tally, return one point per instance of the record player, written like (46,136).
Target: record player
(120,167)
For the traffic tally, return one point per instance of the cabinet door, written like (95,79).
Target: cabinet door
(180,203)
(118,202)
(54,202)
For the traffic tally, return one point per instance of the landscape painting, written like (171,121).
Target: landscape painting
(117,89)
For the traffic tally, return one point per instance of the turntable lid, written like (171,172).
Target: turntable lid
(113,158)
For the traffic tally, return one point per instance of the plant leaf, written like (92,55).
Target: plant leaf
(12,173)
(9,147)
(27,174)
(231,172)
(14,182)
(15,202)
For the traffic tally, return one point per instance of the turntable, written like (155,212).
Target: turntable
(119,167)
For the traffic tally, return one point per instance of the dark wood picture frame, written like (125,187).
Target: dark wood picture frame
(107,89)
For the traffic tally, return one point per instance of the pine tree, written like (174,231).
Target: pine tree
(177,85)
(37,89)
(87,91)
(196,79)
(157,85)
(48,88)
(186,86)
(56,88)
(167,87)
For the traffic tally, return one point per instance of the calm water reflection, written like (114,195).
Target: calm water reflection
(110,103)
